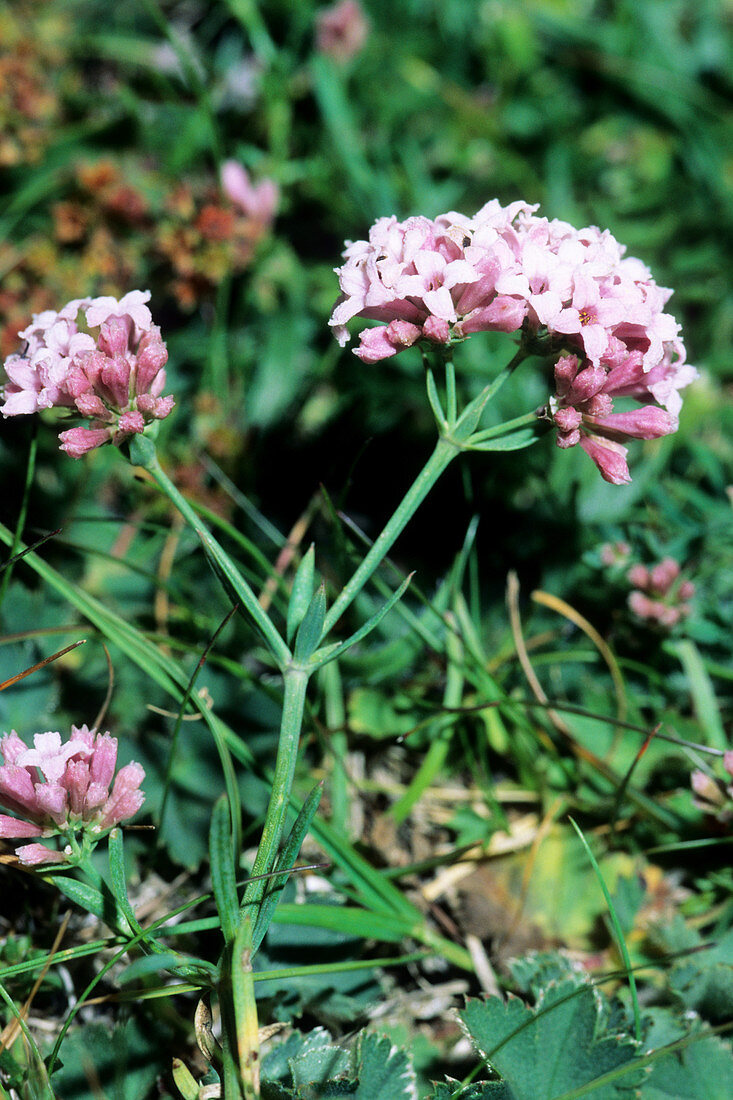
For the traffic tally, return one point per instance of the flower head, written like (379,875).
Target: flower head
(570,291)
(660,595)
(114,377)
(715,796)
(505,268)
(341,30)
(63,789)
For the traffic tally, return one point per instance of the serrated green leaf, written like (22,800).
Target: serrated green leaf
(559,1046)
(701,1071)
(301,593)
(223,871)
(482,1090)
(311,629)
(319,1061)
(384,1071)
(705,981)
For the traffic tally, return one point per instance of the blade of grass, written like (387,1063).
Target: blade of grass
(618,933)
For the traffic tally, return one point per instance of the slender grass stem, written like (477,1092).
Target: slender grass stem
(444,453)
(146,457)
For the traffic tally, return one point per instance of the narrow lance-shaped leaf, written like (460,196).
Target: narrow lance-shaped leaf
(311,629)
(302,592)
(223,871)
(285,863)
(331,652)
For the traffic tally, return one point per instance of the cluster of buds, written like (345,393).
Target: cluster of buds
(506,270)
(63,790)
(660,596)
(341,30)
(615,554)
(715,796)
(207,234)
(582,406)
(115,377)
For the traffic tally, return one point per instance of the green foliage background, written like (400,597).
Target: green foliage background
(615,113)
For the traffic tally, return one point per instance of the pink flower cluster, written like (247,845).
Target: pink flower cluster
(659,595)
(341,30)
(582,406)
(506,269)
(61,789)
(115,378)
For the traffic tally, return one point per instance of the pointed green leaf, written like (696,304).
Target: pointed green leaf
(100,904)
(434,399)
(284,864)
(311,629)
(223,871)
(329,653)
(302,592)
(513,441)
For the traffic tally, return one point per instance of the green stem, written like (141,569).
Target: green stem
(295,683)
(445,451)
(503,429)
(148,459)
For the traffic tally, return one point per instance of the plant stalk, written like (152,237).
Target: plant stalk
(295,683)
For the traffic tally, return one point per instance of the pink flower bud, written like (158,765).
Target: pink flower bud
(568,420)
(52,801)
(664,575)
(566,369)
(76,782)
(151,358)
(610,458)
(78,441)
(568,439)
(436,330)
(130,423)
(375,345)
(114,335)
(104,759)
(638,575)
(115,377)
(89,404)
(125,799)
(12,746)
(13,827)
(641,605)
(33,854)
(686,590)
(403,334)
